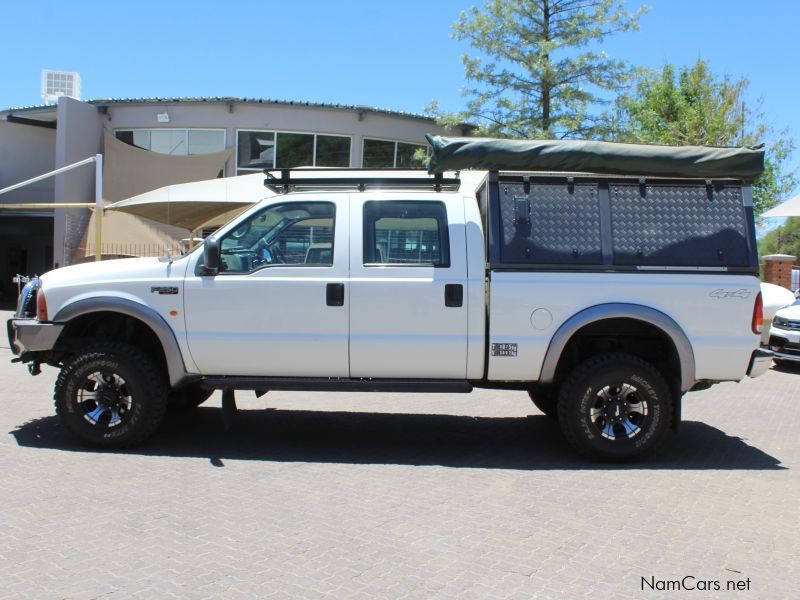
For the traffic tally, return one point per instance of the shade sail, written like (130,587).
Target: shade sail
(605,158)
(129,171)
(790,208)
(190,205)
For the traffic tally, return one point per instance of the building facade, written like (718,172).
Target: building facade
(256,134)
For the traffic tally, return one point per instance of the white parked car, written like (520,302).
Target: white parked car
(607,297)
(774,297)
(784,334)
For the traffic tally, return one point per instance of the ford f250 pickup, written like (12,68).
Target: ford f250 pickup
(607,280)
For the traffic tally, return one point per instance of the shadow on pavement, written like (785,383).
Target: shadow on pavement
(522,443)
(786,366)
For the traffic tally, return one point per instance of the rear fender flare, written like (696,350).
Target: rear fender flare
(601,312)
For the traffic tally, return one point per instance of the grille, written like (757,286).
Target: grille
(791,325)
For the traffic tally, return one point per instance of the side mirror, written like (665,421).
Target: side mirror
(210,256)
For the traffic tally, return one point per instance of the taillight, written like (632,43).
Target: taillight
(758,315)
(41,306)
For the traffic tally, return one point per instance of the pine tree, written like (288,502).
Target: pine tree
(539,72)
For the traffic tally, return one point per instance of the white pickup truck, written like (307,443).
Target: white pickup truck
(605,295)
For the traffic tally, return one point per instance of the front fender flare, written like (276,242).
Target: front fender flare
(176,368)
(637,312)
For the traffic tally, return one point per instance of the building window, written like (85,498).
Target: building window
(294,150)
(206,141)
(332,151)
(169,141)
(180,142)
(387,154)
(255,150)
(378,153)
(258,150)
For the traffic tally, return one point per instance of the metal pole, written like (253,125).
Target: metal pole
(98,206)
(46,205)
(85,161)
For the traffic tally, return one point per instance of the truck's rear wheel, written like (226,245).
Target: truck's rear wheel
(614,407)
(111,395)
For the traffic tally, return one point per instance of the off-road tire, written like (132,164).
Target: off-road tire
(188,397)
(582,391)
(145,383)
(546,400)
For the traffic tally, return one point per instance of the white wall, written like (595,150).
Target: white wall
(25,152)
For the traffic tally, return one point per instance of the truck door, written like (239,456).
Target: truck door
(408,278)
(279,306)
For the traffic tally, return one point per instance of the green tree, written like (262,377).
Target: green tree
(539,72)
(782,240)
(692,106)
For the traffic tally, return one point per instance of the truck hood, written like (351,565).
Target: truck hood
(790,312)
(123,269)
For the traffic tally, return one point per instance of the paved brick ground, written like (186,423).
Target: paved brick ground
(397,496)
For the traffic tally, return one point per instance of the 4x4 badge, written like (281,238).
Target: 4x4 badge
(741,294)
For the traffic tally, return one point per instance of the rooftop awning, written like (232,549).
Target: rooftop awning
(190,205)
(604,158)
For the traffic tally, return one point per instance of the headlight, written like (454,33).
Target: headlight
(26,304)
(780,323)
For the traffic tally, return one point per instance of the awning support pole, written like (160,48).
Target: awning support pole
(98,196)
(85,161)
(98,207)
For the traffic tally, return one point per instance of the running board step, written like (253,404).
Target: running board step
(334,384)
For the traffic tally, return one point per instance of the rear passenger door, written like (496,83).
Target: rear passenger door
(408,278)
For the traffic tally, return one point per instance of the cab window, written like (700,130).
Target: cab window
(408,233)
(296,234)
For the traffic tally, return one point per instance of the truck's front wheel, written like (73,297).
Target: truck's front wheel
(614,407)
(111,395)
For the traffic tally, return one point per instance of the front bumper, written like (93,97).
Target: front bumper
(784,343)
(30,335)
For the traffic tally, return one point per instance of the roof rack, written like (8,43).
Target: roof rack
(341,179)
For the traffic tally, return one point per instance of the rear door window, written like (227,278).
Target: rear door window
(408,233)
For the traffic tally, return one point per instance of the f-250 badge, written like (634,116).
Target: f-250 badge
(167,290)
(741,294)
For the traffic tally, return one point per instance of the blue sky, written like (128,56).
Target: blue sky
(396,55)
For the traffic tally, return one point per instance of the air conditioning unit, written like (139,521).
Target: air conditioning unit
(60,83)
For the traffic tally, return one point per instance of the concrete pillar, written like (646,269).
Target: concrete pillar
(79,135)
(778,269)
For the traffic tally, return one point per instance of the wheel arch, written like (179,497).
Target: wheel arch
(602,312)
(176,369)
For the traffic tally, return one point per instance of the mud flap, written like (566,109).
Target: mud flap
(676,411)
(229,408)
